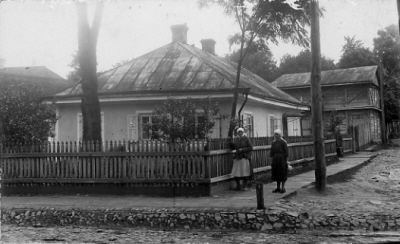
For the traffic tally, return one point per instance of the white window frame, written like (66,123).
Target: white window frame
(277,124)
(245,116)
(139,115)
(131,127)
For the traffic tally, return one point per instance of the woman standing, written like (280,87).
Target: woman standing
(241,169)
(279,154)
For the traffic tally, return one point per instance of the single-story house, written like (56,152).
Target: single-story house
(353,93)
(129,93)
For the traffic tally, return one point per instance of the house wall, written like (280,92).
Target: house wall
(121,120)
(344,96)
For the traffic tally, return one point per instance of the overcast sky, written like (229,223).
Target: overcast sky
(45,32)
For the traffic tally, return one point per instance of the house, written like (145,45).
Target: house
(353,93)
(39,76)
(129,93)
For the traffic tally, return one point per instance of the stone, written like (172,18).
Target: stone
(375,202)
(273,218)
(278,225)
(293,214)
(251,216)
(266,227)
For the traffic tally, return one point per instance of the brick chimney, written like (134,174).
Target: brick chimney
(208,45)
(179,33)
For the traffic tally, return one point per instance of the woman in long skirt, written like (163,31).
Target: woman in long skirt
(241,169)
(279,167)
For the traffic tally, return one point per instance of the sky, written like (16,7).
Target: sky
(44,32)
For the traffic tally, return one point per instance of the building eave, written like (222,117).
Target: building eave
(279,103)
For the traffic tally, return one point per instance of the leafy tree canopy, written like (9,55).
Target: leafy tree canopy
(183,120)
(354,54)
(301,63)
(387,49)
(23,116)
(260,63)
(260,22)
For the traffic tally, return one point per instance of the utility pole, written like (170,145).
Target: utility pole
(316,99)
(382,102)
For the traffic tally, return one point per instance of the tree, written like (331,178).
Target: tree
(24,118)
(87,59)
(354,54)
(301,63)
(260,63)
(261,22)
(387,49)
(182,120)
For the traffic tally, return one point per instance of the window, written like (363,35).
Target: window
(248,124)
(274,123)
(374,97)
(306,126)
(80,126)
(132,127)
(143,133)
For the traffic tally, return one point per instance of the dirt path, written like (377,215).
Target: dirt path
(374,188)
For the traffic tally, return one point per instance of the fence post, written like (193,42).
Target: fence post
(260,195)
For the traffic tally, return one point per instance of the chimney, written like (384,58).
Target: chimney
(179,33)
(208,45)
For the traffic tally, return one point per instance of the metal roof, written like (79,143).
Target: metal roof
(181,67)
(366,74)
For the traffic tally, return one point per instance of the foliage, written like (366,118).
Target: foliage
(354,54)
(301,63)
(387,49)
(334,123)
(391,98)
(23,116)
(261,22)
(181,121)
(74,75)
(260,63)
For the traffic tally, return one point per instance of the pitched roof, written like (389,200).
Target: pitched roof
(41,76)
(366,74)
(181,67)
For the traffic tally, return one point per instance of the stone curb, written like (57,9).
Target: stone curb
(261,220)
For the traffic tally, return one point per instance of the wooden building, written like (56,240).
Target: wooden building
(353,93)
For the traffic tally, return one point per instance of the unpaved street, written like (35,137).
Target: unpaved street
(372,189)
(129,235)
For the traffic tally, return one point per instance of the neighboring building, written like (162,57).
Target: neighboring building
(40,76)
(353,93)
(129,93)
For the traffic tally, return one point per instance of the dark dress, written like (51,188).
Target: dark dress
(279,154)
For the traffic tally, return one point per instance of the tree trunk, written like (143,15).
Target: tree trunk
(87,42)
(317,121)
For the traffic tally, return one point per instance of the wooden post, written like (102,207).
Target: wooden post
(383,122)
(317,121)
(260,195)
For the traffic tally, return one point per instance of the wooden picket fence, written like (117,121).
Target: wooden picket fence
(150,162)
